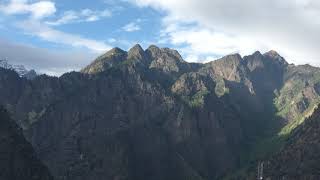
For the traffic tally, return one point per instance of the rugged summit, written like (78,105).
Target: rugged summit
(148,114)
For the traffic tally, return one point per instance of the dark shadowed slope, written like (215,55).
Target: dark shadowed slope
(18,161)
(299,158)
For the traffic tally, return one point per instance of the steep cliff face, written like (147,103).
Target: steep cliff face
(148,114)
(18,161)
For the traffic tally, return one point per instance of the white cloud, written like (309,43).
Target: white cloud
(67,17)
(133,26)
(47,61)
(200,43)
(37,10)
(85,15)
(288,26)
(46,33)
(34,25)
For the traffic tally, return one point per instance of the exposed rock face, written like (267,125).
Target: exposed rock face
(137,53)
(148,114)
(18,161)
(167,60)
(230,68)
(108,60)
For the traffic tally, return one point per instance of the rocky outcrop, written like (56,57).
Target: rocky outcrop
(112,58)
(167,60)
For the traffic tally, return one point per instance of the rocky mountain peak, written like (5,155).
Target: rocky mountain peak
(136,47)
(232,60)
(115,51)
(230,67)
(136,52)
(275,56)
(173,52)
(20,69)
(165,59)
(234,57)
(257,54)
(254,61)
(155,51)
(105,61)
(272,53)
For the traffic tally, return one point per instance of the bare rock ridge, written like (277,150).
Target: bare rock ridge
(137,53)
(164,59)
(105,61)
(148,114)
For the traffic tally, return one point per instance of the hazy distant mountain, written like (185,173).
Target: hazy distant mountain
(148,114)
(20,69)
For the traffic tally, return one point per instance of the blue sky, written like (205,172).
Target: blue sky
(122,23)
(61,35)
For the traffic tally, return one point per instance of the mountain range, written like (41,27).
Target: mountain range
(148,114)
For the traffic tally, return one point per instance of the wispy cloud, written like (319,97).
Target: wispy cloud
(47,33)
(132,26)
(85,15)
(37,10)
(198,43)
(34,23)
